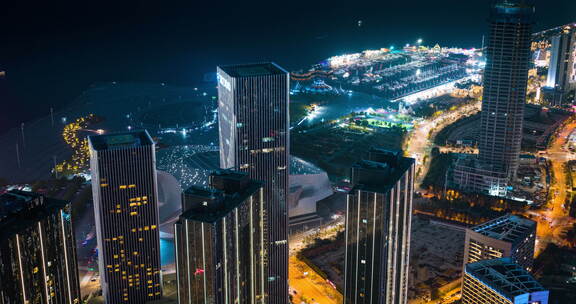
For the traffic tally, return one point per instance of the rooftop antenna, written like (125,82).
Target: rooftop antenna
(23,138)
(18,155)
(52,116)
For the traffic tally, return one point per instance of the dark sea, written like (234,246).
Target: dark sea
(51,53)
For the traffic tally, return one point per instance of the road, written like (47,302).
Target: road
(309,286)
(421,139)
(554,219)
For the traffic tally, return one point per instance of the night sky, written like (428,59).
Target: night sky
(53,50)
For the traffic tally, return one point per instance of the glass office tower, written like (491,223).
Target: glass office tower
(217,247)
(254,138)
(378,223)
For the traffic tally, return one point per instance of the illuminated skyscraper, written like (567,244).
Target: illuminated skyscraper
(507,236)
(504,97)
(562,69)
(378,223)
(37,250)
(500,281)
(505,83)
(254,138)
(125,194)
(217,249)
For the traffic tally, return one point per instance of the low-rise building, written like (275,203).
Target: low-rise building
(507,236)
(501,281)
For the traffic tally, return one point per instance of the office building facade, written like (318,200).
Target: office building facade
(217,247)
(507,236)
(378,223)
(562,68)
(500,281)
(125,191)
(37,250)
(254,138)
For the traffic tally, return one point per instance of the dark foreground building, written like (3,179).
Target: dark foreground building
(37,250)
(217,249)
(378,223)
(500,281)
(125,195)
(254,138)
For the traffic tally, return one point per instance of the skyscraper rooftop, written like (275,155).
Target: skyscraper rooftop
(120,140)
(253,70)
(382,169)
(509,228)
(20,208)
(218,204)
(504,276)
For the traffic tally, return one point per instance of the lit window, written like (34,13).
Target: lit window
(122,186)
(268,139)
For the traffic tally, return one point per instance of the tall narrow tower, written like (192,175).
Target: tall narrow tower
(562,70)
(254,138)
(505,82)
(378,223)
(125,196)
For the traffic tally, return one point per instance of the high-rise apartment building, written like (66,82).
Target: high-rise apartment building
(507,236)
(217,245)
(125,192)
(37,250)
(378,223)
(500,281)
(504,97)
(505,84)
(254,138)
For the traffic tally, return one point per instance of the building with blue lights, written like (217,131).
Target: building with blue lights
(508,236)
(562,68)
(501,281)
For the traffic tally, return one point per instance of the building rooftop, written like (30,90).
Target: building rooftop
(381,170)
(20,209)
(509,228)
(212,204)
(253,70)
(504,276)
(120,140)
